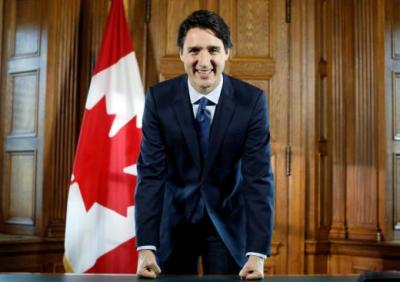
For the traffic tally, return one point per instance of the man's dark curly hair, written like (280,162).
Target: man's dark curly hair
(205,20)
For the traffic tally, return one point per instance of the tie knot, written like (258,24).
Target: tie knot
(203,102)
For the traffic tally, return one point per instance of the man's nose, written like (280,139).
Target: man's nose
(204,58)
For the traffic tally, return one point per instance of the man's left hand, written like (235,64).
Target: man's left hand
(253,269)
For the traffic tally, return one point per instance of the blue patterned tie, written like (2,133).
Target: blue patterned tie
(203,122)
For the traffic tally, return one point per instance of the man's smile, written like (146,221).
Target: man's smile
(204,73)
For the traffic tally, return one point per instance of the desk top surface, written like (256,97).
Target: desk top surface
(132,278)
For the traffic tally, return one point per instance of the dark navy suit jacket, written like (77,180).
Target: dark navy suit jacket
(235,180)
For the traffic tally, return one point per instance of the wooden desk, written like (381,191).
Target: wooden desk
(131,278)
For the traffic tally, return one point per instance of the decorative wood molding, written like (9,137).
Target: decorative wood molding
(62,112)
(23,90)
(317,247)
(338,123)
(362,192)
(386,250)
(30,254)
(391,115)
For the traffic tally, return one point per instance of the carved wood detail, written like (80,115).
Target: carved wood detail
(338,123)
(392,117)
(362,205)
(63,112)
(395,30)
(23,96)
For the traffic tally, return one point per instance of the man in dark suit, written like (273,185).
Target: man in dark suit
(205,185)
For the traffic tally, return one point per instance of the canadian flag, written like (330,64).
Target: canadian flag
(100,226)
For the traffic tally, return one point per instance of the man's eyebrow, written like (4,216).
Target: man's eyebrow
(193,48)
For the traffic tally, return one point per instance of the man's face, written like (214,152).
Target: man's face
(204,57)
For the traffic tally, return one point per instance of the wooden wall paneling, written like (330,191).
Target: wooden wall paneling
(312,64)
(154,43)
(2,103)
(379,62)
(61,111)
(136,16)
(355,256)
(302,70)
(23,84)
(392,117)
(356,109)
(313,134)
(317,125)
(362,204)
(337,121)
(324,126)
(23,254)
(251,59)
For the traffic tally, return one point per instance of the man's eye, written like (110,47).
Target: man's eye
(213,50)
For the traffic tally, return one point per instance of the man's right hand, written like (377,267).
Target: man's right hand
(147,264)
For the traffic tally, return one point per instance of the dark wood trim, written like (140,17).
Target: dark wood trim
(384,250)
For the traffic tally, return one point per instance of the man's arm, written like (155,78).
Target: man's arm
(152,170)
(258,189)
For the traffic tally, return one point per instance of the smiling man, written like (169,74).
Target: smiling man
(205,185)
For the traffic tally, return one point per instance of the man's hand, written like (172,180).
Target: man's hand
(147,264)
(253,269)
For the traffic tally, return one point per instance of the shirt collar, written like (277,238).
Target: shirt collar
(213,96)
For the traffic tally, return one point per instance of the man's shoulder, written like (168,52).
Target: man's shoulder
(168,85)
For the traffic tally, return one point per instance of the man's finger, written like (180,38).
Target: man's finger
(253,275)
(243,272)
(147,273)
(154,266)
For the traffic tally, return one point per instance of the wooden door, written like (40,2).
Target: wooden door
(392,112)
(260,55)
(22,104)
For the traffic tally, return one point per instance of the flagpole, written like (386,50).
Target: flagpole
(145,41)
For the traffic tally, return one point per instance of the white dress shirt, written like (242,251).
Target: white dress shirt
(213,96)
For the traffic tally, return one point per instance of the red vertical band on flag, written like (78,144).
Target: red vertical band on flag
(116,41)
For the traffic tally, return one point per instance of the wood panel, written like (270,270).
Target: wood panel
(338,227)
(348,100)
(362,205)
(26,254)
(23,84)
(62,126)
(392,116)
(300,21)
(323,125)
(350,51)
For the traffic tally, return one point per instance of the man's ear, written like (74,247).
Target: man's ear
(181,54)
(228,53)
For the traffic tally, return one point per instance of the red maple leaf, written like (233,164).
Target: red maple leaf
(100,160)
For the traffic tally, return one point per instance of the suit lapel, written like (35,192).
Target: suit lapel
(184,114)
(221,120)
